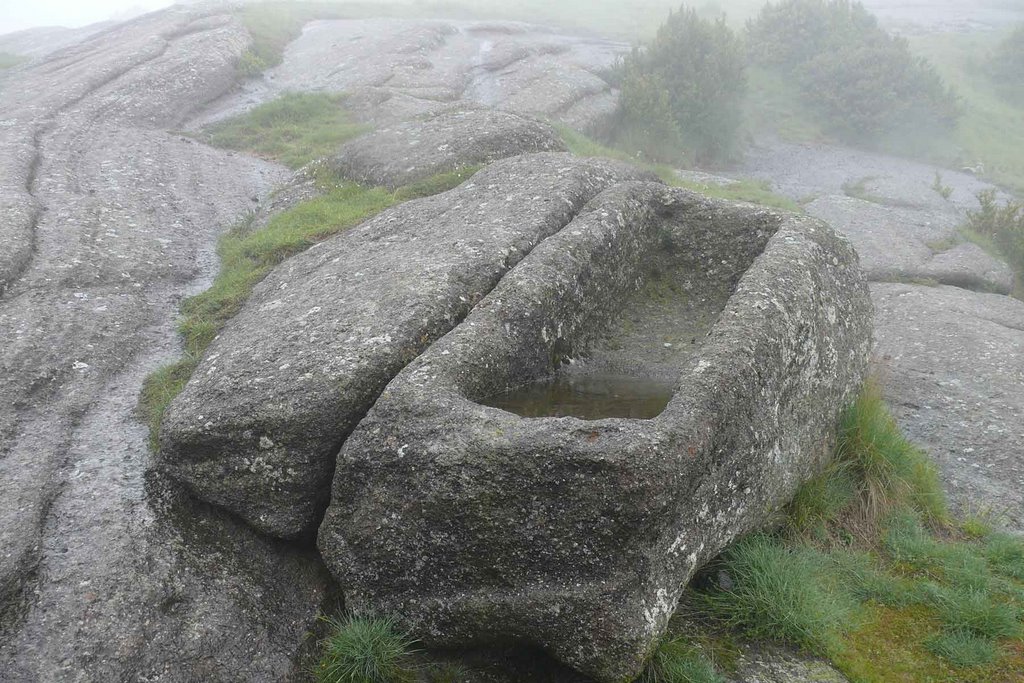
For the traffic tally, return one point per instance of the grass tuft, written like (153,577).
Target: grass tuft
(783,593)
(962,649)
(294,129)
(366,650)
(891,471)
(677,661)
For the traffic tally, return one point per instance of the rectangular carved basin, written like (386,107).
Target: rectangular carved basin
(470,523)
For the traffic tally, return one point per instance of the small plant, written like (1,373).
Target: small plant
(366,650)
(251,65)
(945,191)
(869,563)
(999,225)
(676,661)
(781,592)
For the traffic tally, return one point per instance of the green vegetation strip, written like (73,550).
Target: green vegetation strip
(295,127)
(743,190)
(871,573)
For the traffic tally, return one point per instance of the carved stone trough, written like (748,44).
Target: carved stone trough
(472,524)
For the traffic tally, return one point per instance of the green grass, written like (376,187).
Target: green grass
(962,649)
(366,650)
(870,571)
(745,190)
(293,129)
(677,661)
(247,256)
(991,131)
(7,60)
(781,592)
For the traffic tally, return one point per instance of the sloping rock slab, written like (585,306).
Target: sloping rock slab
(897,244)
(471,524)
(953,374)
(257,428)
(415,150)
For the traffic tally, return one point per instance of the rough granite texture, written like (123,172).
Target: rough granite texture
(257,427)
(415,150)
(949,358)
(394,70)
(107,220)
(472,525)
(952,364)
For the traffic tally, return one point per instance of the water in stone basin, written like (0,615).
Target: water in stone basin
(631,370)
(592,397)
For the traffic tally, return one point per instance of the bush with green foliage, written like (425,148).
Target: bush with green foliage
(682,93)
(863,81)
(1001,225)
(366,650)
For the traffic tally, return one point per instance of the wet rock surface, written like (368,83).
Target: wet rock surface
(949,356)
(439,143)
(257,427)
(395,70)
(952,367)
(475,525)
(109,220)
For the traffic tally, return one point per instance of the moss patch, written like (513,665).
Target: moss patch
(293,129)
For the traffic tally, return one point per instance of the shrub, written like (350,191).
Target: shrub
(366,650)
(1000,224)
(682,94)
(863,81)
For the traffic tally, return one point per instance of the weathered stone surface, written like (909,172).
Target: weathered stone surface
(898,223)
(415,150)
(768,664)
(394,70)
(953,371)
(105,574)
(471,524)
(903,243)
(257,427)
(951,358)
(971,267)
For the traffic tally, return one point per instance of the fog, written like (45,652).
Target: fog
(18,14)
